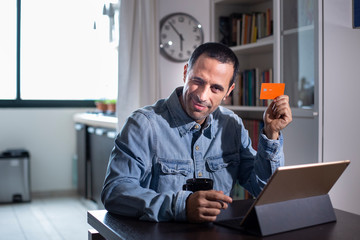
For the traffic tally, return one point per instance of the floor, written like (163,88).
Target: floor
(46,218)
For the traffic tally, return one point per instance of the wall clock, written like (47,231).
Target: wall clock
(180,34)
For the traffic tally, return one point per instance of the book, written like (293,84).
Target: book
(268,22)
(261,26)
(266,78)
(235,28)
(253,28)
(245,28)
(238,31)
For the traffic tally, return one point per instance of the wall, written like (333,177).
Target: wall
(341,107)
(49,136)
(171,73)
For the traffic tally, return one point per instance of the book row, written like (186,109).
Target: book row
(254,127)
(244,28)
(248,86)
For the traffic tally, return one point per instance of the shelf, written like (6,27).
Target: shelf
(298,30)
(261,46)
(238,1)
(296,112)
(304,113)
(245,108)
(247,112)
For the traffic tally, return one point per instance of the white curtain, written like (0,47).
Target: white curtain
(138,57)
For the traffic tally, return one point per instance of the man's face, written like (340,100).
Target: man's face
(206,85)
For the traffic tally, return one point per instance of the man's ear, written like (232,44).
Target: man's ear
(185,71)
(229,91)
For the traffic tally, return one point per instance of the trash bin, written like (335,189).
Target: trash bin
(15,176)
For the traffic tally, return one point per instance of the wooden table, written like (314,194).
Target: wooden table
(114,227)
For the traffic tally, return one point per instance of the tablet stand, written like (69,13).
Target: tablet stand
(289,215)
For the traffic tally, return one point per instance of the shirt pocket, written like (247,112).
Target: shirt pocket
(175,167)
(217,163)
(223,169)
(173,174)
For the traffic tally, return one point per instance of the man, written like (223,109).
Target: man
(190,135)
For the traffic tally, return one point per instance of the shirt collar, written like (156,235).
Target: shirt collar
(182,121)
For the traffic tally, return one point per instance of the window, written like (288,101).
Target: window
(8,50)
(65,55)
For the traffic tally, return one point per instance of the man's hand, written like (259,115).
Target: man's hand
(204,206)
(277,116)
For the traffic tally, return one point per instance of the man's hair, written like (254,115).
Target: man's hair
(218,51)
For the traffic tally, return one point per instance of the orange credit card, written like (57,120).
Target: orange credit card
(271,90)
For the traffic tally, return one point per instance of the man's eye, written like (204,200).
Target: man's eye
(197,82)
(216,89)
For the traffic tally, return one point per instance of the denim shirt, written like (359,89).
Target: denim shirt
(160,147)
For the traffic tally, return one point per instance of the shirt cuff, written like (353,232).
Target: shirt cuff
(180,205)
(270,147)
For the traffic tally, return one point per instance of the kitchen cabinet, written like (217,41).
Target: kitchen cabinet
(101,142)
(95,140)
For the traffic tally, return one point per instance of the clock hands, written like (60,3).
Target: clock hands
(181,42)
(179,34)
(171,25)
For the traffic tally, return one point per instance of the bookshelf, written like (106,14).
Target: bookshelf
(256,55)
(291,48)
(294,53)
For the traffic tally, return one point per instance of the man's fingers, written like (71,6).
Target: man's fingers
(204,206)
(217,196)
(282,97)
(281,107)
(217,205)
(208,212)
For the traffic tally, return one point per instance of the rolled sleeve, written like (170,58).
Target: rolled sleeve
(180,205)
(272,150)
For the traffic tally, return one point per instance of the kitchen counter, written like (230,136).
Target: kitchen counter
(96,120)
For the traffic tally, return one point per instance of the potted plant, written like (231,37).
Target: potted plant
(101,106)
(110,105)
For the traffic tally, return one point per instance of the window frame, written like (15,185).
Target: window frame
(21,103)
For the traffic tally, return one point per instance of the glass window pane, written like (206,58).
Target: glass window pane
(298,13)
(62,56)
(299,68)
(8,50)
(298,51)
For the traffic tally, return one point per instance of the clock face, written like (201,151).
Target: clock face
(180,34)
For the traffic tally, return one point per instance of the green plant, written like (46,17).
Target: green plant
(110,101)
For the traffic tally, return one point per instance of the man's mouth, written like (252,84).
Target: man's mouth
(199,106)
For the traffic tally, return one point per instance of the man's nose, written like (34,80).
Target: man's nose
(203,93)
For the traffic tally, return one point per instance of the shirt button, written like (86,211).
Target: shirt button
(197,148)
(200,174)
(196,126)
